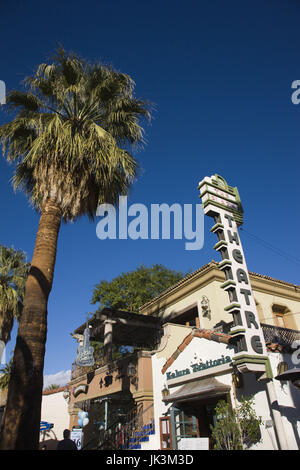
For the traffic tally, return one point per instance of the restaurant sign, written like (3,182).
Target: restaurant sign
(198,367)
(85,353)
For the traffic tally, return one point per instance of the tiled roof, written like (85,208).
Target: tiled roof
(264,276)
(196,333)
(56,390)
(212,335)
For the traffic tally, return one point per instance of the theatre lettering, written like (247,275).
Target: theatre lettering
(222,202)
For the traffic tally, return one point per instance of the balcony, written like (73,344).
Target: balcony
(278,335)
(115,328)
(101,360)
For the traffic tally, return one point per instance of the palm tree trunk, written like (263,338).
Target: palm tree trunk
(21,422)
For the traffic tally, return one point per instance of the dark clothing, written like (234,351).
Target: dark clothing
(66,444)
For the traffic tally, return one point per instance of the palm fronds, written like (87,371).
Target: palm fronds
(71,136)
(13,274)
(5,373)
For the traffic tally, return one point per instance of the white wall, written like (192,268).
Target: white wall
(55,410)
(205,350)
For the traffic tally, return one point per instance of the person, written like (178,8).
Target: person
(66,443)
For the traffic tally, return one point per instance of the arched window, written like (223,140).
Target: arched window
(282,316)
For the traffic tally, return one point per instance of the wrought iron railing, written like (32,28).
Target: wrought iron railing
(139,428)
(272,333)
(101,359)
(129,434)
(280,335)
(135,429)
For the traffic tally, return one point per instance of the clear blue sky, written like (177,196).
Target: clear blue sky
(220,74)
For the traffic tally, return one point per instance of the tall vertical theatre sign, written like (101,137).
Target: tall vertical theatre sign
(222,202)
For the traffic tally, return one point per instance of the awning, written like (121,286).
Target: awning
(116,397)
(198,390)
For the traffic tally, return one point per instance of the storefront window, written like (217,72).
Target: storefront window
(184,425)
(194,419)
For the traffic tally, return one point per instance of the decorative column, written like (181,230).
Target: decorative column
(73,413)
(108,335)
(223,204)
(143,383)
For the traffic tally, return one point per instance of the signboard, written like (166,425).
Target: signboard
(198,367)
(222,202)
(194,443)
(214,190)
(76,436)
(85,353)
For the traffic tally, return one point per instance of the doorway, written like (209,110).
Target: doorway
(194,419)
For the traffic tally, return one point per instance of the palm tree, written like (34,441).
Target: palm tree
(13,274)
(5,373)
(70,140)
(51,387)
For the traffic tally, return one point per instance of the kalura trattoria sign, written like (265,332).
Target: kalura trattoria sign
(222,202)
(199,367)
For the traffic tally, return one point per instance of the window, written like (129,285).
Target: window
(280,320)
(188,318)
(185,424)
(282,316)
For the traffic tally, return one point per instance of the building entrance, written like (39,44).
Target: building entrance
(194,419)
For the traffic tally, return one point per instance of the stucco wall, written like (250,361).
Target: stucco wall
(266,301)
(55,410)
(218,299)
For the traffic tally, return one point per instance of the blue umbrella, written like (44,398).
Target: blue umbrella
(44,426)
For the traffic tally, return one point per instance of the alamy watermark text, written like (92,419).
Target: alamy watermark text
(160,221)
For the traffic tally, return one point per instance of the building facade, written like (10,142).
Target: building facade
(193,369)
(186,327)
(220,333)
(198,300)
